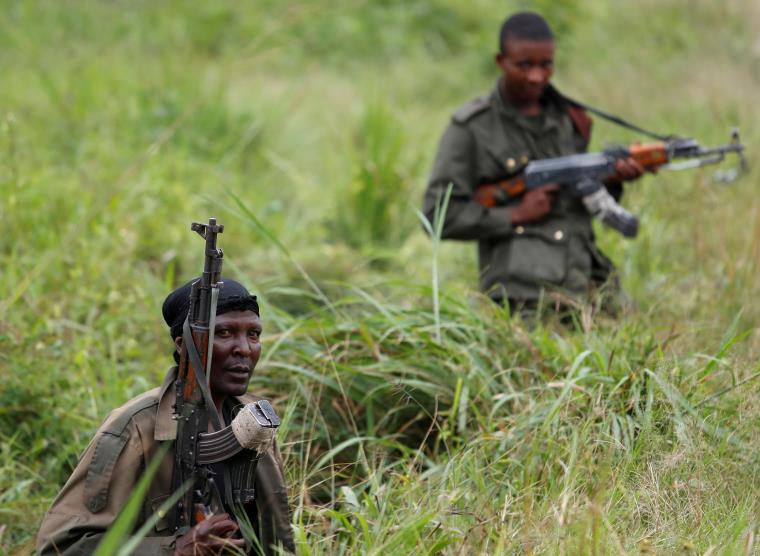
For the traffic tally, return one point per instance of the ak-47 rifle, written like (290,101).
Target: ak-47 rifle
(584,172)
(197,450)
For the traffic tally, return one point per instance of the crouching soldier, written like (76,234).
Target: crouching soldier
(132,435)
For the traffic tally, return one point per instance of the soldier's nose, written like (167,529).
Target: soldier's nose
(242,346)
(537,75)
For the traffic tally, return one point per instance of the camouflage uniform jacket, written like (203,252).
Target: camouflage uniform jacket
(111,466)
(486,141)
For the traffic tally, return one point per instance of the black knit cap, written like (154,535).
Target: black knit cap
(232,297)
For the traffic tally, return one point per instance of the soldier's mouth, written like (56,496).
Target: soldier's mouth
(239,371)
(535,89)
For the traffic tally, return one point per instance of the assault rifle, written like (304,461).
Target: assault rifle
(584,172)
(209,487)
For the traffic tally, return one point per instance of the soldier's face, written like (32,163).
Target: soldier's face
(237,348)
(527,67)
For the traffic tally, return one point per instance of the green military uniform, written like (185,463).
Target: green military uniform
(111,466)
(487,141)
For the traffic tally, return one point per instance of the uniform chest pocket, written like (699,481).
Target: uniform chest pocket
(504,160)
(538,254)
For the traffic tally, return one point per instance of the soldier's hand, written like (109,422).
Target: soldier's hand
(535,205)
(628,169)
(211,536)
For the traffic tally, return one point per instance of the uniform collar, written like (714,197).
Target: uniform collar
(508,110)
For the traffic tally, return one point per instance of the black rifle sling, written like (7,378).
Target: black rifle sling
(618,120)
(228,498)
(200,375)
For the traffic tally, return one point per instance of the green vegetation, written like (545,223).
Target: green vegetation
(417,419)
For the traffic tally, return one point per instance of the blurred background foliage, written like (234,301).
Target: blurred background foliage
(308,129)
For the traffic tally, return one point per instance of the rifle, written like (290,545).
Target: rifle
(584,172)
(197,449)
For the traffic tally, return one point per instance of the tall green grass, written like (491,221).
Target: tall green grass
(418,418)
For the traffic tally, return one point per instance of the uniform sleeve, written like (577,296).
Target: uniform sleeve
(70,527)
(465,218)
(272,504)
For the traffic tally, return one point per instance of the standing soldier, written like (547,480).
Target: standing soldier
(541,245)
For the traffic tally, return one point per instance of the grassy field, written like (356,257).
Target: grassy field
(418,419)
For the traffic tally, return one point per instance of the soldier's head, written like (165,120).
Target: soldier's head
(526,56)
(237,333)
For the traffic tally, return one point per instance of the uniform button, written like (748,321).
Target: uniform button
(558,235)
(510,163)
(519,230)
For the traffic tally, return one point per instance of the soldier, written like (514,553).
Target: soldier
(128,439)
(540,245)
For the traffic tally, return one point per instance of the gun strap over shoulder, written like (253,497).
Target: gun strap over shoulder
(200,375)
(574,104)
(581,121)
(108,448)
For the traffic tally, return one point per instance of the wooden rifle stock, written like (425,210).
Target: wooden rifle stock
(186,372)
(493,194)
(650,155)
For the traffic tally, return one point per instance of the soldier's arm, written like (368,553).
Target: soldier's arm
(93,496)
(272,503)
(465,218)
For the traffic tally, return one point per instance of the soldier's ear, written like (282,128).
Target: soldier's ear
(500,58)
(178,343)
